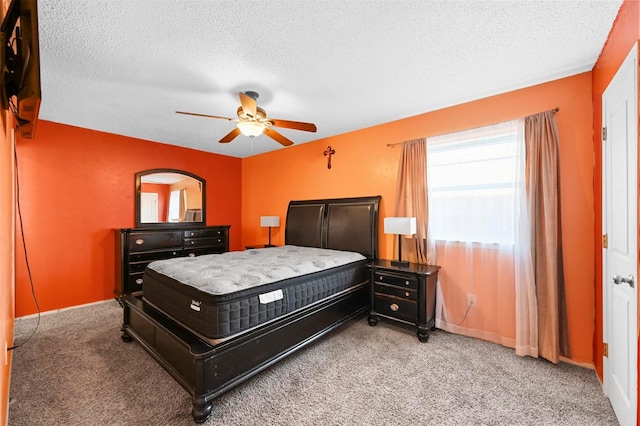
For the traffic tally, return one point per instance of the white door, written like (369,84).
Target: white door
(148,207)
(620,224)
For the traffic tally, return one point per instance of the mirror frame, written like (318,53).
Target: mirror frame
(138,203)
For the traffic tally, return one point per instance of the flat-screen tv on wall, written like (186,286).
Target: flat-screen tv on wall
(20,65)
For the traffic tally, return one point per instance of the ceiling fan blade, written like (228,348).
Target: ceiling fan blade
(277,137)
(230,136)
(205,115)
(249,105)
(297,125)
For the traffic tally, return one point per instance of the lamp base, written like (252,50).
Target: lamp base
(400,263)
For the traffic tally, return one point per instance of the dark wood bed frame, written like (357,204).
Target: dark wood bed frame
(207,371)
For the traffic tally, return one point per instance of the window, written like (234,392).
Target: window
(173,214)
(474,184)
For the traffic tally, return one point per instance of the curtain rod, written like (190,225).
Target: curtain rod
(389,145)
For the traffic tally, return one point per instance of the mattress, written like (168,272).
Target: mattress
(220,295)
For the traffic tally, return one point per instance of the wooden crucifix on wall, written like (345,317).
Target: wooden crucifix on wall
(328,153)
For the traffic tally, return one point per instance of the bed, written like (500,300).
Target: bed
(212,340)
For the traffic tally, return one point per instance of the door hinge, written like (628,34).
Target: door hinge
(605,349)
(605,241)
(604,133)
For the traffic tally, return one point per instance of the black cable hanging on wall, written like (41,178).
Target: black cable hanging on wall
(26,257)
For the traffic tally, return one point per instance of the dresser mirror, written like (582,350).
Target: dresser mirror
(169,197)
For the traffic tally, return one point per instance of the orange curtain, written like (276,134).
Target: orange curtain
(411,197)
(543,200)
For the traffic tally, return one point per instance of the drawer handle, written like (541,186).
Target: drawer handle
(406,293)
(193,242)
(192,234)
(139,241)
(192,255)
(139,281)
(394,307)
(406,282)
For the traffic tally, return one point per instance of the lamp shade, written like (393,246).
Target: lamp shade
(251,128)
(400,225)
(269,221)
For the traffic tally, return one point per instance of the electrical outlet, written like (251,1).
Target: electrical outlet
(471,299)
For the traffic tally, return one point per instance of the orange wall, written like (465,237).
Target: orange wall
(76,186)
(364,165)
(6,264)
(623,35)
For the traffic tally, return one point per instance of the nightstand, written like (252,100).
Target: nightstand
(404,293)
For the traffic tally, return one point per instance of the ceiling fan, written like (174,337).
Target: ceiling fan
(253,121)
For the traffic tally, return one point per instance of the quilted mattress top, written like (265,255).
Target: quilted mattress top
(230,272)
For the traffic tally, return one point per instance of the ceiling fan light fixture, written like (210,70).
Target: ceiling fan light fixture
(251,128)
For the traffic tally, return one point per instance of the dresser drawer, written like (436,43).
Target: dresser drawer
(144,241)
(202,233)
(135,281)
(395,307)
(199,251)
(391,290)
(399,280)
(203,242)
(155,255)
(137,267)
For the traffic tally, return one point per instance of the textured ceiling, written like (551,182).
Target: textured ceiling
(126,66)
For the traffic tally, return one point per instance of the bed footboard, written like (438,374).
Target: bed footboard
(207,371)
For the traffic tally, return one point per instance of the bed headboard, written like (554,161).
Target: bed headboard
(336,223)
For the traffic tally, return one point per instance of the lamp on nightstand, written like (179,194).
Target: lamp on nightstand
(400,226)
(269,221)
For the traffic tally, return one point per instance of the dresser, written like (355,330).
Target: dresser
(404,293)
(137,247)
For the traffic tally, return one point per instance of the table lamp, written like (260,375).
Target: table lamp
(269,221)
(400,226)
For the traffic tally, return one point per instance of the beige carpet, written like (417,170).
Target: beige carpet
(77,371)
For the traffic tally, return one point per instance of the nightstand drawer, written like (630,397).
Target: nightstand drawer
(399,280)
(395,307)
(391,290)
